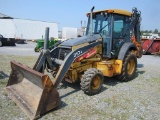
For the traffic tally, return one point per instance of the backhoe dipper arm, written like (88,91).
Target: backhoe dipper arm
(70,59)
(135,23)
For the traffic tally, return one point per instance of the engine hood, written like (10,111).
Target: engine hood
(81,40)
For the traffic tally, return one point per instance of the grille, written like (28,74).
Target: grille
(63,52)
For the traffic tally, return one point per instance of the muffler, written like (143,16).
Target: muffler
(32,91)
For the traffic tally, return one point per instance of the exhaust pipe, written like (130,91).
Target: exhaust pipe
(46,38)
(91,21)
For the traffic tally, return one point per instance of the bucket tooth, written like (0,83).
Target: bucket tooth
(32,91)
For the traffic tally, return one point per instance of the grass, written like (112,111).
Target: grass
(5,67)
(6,59)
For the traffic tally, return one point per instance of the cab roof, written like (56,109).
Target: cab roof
(114,11)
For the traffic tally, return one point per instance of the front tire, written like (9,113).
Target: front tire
(92,81)
(129,67)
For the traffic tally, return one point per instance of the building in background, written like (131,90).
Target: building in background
(69,32)
(150,36)
(82,31)
(26,29)
(32,29)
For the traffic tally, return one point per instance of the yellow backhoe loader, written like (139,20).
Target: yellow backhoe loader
(110,48)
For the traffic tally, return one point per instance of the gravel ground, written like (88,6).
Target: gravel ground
(20,49)
(134,100)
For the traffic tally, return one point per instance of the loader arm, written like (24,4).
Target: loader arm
(65,65)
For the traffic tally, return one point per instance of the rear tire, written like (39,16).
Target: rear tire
(128,68)
(92,81)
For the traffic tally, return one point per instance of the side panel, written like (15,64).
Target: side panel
(109,68)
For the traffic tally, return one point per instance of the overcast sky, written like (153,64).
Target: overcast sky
(69,13)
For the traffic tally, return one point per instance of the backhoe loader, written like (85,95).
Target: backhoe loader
(110,48)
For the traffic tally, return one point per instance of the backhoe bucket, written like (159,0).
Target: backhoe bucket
(32,91)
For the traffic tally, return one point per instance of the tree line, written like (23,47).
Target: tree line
(147,32)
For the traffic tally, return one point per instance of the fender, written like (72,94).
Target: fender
(125,48)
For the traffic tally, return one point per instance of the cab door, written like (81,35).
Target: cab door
(121,33)
(107,37)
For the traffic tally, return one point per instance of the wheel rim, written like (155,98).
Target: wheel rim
(96,82)
(131,66)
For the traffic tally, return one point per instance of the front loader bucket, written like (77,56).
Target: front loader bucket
(32,91)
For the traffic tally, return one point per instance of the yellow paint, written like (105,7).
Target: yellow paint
(114,11)
(107,71)
(75,73)
(109,68)
(130,66)
(79,46)
(96,82)
(118,66)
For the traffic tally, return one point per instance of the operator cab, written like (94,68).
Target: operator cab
(113,26)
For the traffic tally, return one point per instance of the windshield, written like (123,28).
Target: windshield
(101,24)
